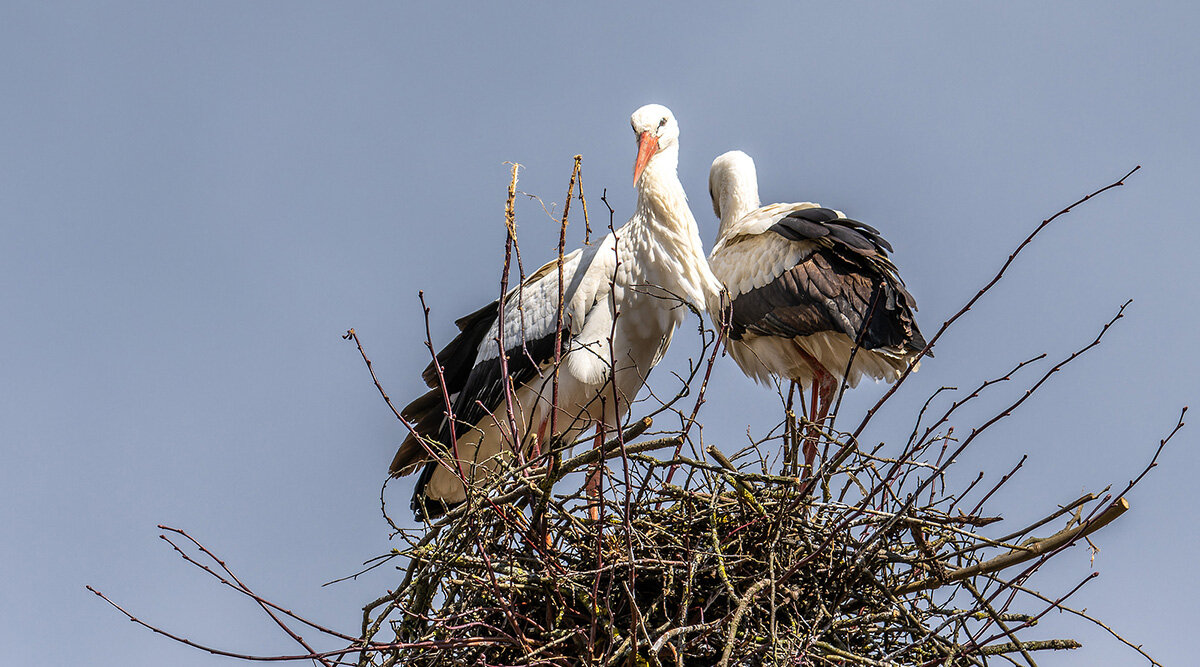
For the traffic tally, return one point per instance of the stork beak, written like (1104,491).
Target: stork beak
(647,147)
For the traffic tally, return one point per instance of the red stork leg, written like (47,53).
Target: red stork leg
(593,481)
(811,431)
(539,448)
(540,442)
(820,400)
(822,390)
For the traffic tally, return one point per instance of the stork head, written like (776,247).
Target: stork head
(733,186)
(656,132)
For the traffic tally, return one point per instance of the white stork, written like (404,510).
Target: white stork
(621,304)
(812,295)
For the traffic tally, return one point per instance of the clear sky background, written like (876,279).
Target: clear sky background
(198,199)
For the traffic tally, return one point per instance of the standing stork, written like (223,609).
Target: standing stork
(812,295)
(620,306)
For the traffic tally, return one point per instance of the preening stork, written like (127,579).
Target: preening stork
(621,305)
(812,295)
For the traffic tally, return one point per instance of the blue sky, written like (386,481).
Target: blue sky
(199,199)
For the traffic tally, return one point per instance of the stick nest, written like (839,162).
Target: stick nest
(871,561)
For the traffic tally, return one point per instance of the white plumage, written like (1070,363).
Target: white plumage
(621,306)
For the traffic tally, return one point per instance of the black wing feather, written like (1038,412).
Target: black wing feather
(799,229)
(458,355)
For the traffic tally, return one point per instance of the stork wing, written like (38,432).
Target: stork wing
(798,269)
(471,362)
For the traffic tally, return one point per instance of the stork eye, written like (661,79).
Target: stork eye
(662,122)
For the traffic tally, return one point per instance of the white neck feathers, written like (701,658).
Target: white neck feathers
(663,218)
(733,184)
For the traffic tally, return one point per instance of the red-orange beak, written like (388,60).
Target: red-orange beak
(647,147)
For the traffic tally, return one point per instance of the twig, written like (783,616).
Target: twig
(1028,551)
